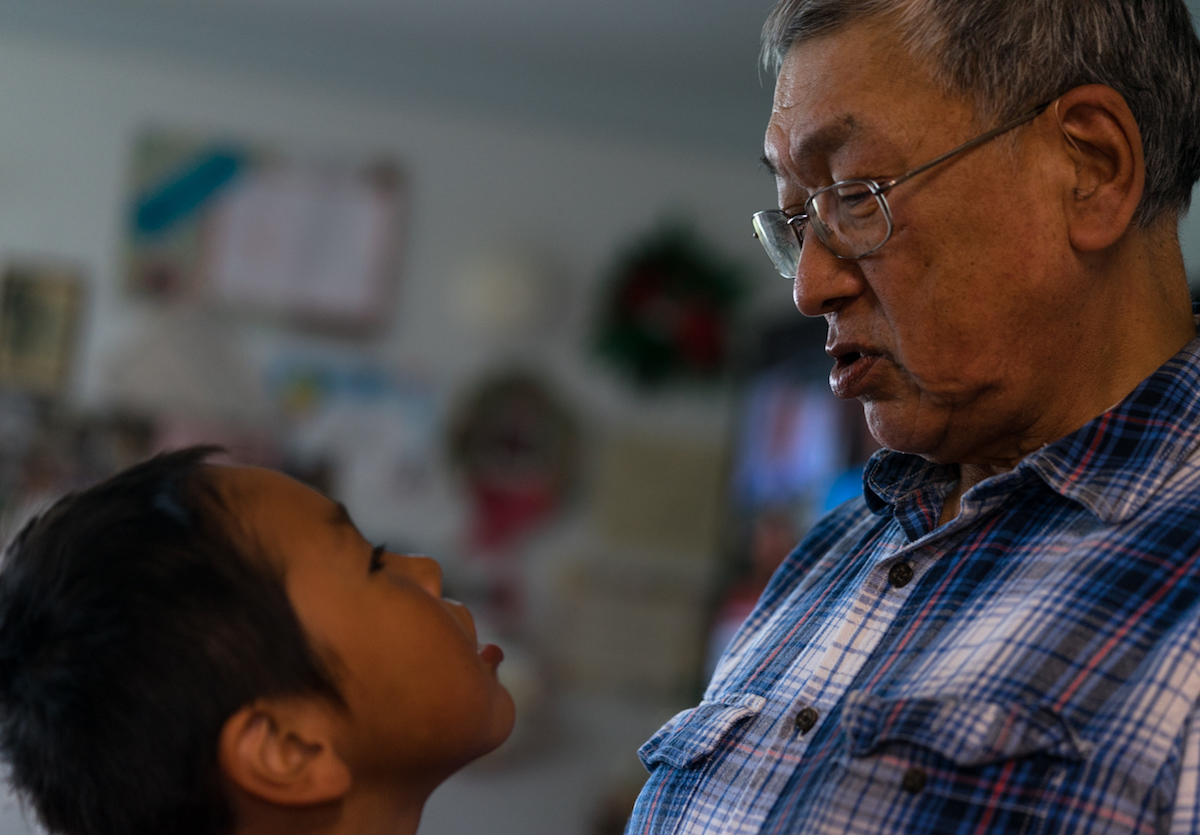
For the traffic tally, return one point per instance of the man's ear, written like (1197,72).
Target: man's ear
(1103,140)
(281,751)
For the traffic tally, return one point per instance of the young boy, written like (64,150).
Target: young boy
(197,649)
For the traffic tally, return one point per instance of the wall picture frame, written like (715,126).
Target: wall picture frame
(40,305)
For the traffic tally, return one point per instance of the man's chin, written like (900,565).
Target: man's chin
(894,426)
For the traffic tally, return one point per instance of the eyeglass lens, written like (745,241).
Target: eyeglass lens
(850,218)
(780,240)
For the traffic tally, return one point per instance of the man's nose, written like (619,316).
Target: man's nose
(824,282)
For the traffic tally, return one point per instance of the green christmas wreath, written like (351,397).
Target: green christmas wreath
(668,310)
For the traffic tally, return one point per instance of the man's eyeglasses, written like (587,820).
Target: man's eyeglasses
(851,217)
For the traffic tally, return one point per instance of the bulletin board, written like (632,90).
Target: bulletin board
(247,226)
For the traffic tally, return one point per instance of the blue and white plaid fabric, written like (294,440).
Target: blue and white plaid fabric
(1039,672)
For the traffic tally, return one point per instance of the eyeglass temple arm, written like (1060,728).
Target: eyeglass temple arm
(966,146)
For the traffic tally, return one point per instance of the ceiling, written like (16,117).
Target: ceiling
(677,73)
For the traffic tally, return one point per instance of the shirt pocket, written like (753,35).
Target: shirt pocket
(691,736)
(968,733)
(983,766)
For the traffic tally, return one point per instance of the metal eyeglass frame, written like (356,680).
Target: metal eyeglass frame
(878,189)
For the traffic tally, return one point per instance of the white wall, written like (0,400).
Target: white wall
(67,119)
(1189,226)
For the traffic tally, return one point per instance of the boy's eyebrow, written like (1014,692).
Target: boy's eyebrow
(341,517)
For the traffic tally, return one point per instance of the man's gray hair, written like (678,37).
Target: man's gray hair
(1009,55)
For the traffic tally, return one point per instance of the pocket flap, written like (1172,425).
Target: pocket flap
(694,734)
(966,732)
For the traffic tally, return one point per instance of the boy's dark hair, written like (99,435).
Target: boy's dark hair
(132,625)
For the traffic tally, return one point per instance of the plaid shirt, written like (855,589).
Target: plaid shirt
(1033,666)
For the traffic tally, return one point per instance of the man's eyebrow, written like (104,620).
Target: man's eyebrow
(820,143)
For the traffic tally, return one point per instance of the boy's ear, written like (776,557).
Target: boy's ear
(281,751)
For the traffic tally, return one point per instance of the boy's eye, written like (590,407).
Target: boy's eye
(377,559)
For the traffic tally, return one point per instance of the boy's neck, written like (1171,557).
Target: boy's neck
(357,814)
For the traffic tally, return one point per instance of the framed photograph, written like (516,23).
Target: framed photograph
(39,322)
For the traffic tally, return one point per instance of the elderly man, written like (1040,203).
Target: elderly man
(981,197)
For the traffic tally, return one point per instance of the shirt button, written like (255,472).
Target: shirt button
(899,574)
(913,780)
(806,719)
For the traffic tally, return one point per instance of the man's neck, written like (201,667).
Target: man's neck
(1140,316)
(968,476)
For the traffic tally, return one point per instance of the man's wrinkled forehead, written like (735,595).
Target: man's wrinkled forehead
(876,47)
(845,89)
(809,122)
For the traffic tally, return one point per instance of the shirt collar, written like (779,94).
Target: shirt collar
(1112,465)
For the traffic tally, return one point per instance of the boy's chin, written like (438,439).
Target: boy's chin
(507,718)
(502,728)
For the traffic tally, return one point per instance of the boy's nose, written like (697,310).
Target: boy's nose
(425,571)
